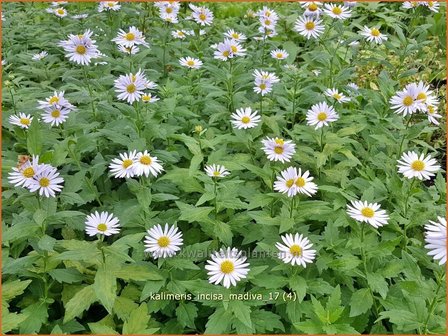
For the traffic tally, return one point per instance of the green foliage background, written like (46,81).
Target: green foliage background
(55,280)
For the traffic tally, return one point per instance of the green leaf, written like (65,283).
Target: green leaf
(378,284)
(68,275)
(37,315)
(218,322)
(137,321)
(14,288)
(186,313)
(298,284)
(191,213)
(11,321)
(101,329)
(105,287)
(241,312)
(34,138)
(79,302)
(137,273)
(360,302)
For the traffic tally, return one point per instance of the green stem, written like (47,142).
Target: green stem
(90,92)
(405,213)
(404,135)
(261,104)
(363,253)
(12,99)
(321,143)
(230,85)
(291,208)
(433,303)
(215,192)
(294,102)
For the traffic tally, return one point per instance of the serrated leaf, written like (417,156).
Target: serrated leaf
(79,302)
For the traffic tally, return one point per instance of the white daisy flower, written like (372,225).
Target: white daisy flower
(216,171)
(163,243)
(266,33)
(22,175)
(130,38)
(47,181)
(424,94)
(189,62)
(102,223)
(80,16)
(312,8)
(373,35)
(296,250)
(179,34)
(227,267)
(168,10)
(279,54)
(321,114)
(432,5)
(353,86)
(23,120)
(228,49)
(148,98)
(368,212)
(406,102)
(309,27)
(146,164)
(244,118)
(150,85)
(278,149)
(56,100)
(39,56)
(411,165)
(410,4)
(108,6)
(263,87)
(340,97)
(128,50)
(285,183)
(232,34)
(350,4)
(435,238)
(263,81)
(202,15)
(80,48)
(337,11)
(130,87)
(55,115)
(267,17)
(123,167)
(59,12)
(58,3)
(433,116)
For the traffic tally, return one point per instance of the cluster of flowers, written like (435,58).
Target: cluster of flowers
(231,46)
(416,97)
(33,176)
(268,20)
(263,81)
(135,164)
(128,41)
(168,10)
(56,109)
(131,88)
(431,5)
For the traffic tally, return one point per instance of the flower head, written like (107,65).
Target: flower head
(309,27)
(189,62)
(435,238)
(124,167)
(39,56)
(227,267)
(320,115)
(337,11)
(244,118)
(145,164)
(47,181)
(23,120)
(368,212)
(278,149)
(130,87)
(279,54)
(163,242)
(80,48)
(296,250)
(23,174)
(130,38)
(102,224)
(338,96)
(216,171)
(411,165)
(373,35)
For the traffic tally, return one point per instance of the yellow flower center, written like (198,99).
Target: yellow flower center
(263,86)
(337,96)
(278,150)
(322,116)
(129,36)
(53,100)
(407,101)
(310,25)
(267,22)
(300,182)
(126,163)
(169,10)
(431,109)
(44,182)
(235,35)
(146,98)
(25,121)
(190,63)
(279,55)
(61,11)
(133,77)
(202,17)
(227,267)
(226,53)
(289,183)
(146,160)
(110,4)
(375,32)
(81,49)
(295,250)
(280,142)
(245,120)
(234,48)
(312,7)
(367,212)
(55,113)
(337,10)
(418,165)
(216,173)
(28,172)
(421,96)
(163,241)
(102,227)
(131,88)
